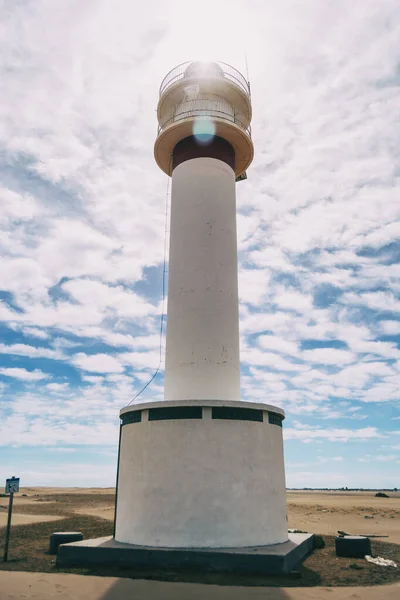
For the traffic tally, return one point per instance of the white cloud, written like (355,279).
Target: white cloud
(380,458)
(390,327)
(330,458)
(97,363)
(34,332)
(93,378)
(100,296)
(272,258)
(381,301)
(293,300)
(82,204)
(141,360)
(72,474)
(328,356)
(31,351)
(61,449)
(333,435)
(253,356)
(23,374)
(271,342)
(386,349)
(58,387)
(253,285)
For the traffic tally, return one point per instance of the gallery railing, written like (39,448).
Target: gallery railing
(204,109)
(194,71)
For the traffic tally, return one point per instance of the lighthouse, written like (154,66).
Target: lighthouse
(200,478)
(203,468)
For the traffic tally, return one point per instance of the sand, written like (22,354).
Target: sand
(45,586)
(42,491)
(317,512)
(36,497)
(320,512)
(325,513)
(104,512)
(18,519)
(343,498)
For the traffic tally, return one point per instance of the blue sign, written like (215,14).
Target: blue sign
(12,485)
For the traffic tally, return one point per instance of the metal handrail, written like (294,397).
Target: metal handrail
(203,108)
(228,71)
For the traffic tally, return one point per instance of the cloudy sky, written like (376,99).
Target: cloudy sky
(82,219)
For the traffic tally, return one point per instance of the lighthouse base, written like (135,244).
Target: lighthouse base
(278,559)
(201,474)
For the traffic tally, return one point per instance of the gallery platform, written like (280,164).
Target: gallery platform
(268,560)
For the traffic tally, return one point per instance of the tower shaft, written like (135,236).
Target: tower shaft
(202,342)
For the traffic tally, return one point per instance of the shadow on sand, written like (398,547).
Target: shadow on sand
(191,585)
(140,589)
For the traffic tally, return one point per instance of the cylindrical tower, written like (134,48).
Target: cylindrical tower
(202,468)
(204,143)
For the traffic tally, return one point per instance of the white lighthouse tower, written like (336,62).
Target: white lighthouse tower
(202,469)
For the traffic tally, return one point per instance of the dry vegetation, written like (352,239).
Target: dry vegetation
(29,543)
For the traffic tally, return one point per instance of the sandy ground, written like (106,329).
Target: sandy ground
(45,586)
(70,490)
(318,512)
(325,512)
(19,519)
(104,512)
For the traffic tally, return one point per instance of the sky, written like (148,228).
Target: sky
(82,227)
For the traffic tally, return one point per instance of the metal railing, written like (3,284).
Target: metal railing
(199,70)
(203,109)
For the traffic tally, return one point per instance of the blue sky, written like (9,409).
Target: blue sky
(82,219)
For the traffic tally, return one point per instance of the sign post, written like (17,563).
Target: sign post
(12,485)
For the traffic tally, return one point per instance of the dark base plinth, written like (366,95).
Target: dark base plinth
(353,546)
(271,560)
(63,537)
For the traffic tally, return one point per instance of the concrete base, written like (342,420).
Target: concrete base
(273,560)
(201,474)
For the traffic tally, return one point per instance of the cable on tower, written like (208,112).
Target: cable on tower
(163,297)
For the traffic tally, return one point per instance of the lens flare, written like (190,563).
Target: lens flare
(204,70)
(203,130)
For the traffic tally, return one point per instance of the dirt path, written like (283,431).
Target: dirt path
(44,586)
